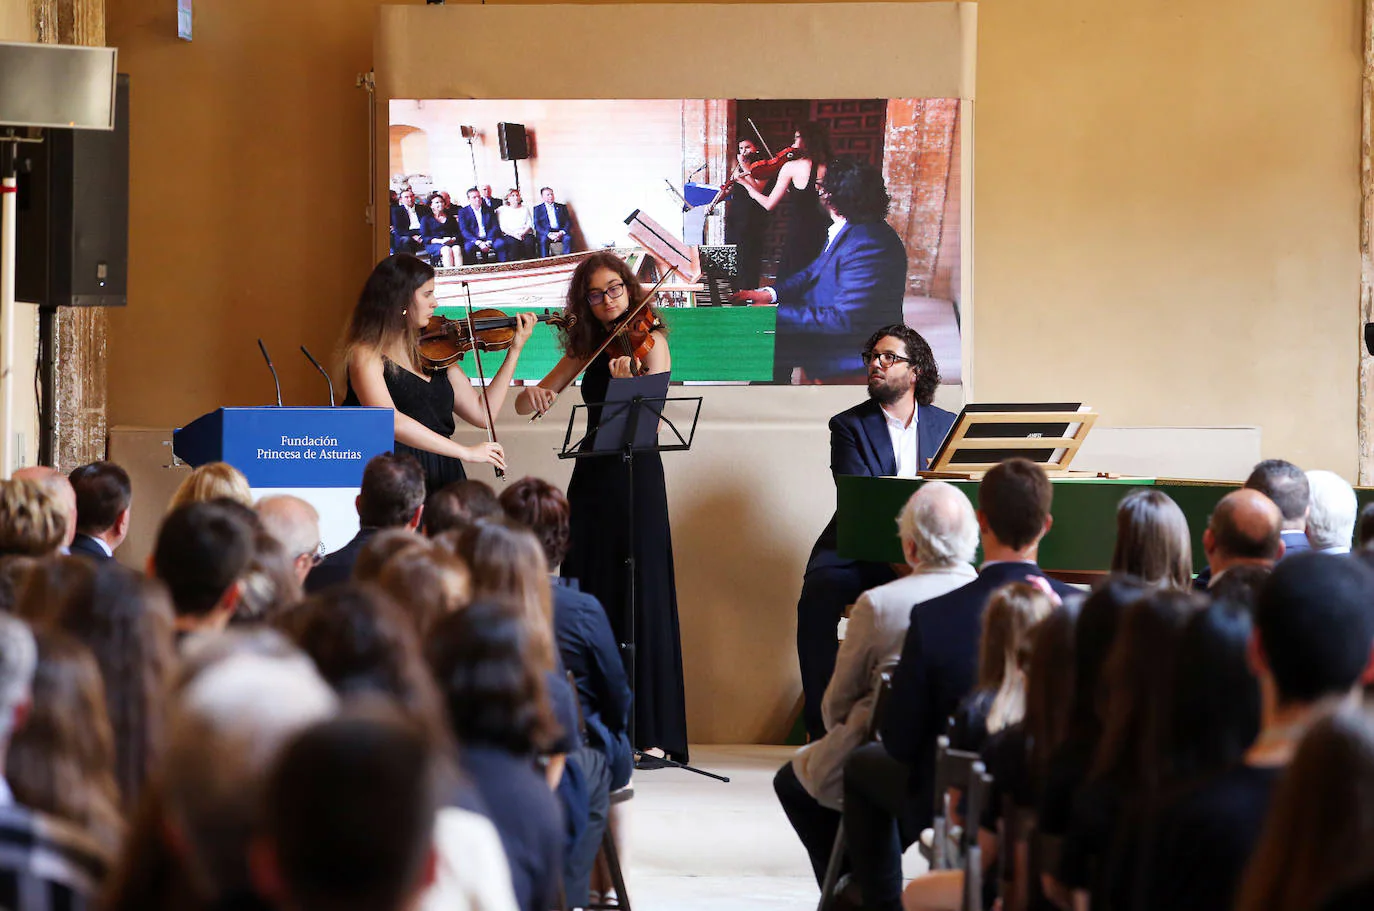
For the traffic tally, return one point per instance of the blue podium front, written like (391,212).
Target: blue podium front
(317,454)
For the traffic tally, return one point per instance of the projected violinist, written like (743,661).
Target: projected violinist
(603,291)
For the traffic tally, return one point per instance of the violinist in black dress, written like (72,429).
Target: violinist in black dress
(602,292)
(382,357)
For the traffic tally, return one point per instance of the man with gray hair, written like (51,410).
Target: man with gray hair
(939,534)
(296,524)
(1331,515)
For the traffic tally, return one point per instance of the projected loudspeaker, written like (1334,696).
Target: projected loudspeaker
(515,144)
(74,215)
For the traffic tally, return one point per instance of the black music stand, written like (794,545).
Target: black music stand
(631,417)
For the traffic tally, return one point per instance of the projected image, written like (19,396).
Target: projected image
(788,230)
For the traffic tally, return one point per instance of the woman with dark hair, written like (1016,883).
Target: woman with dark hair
(807,221)
(440,231)
(603,289)
(493,689)
(1317,846)
(61,761)
(384,368)
(1152,540)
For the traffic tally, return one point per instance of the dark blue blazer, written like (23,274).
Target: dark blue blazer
(852,288)
(541,220)
(86,546)
(938,668)
(400,221)
(860,445)
(432,230)
(587,646)
(338,566)
(1294,542)
(467,225)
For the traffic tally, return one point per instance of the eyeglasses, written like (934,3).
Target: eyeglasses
(612,292)
(884,358)
(316,555)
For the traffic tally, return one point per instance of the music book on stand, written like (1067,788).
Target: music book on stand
(985,434)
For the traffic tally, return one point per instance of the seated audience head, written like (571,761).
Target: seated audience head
(224,732)
(103,497)
(18,661)
(1314,629)
(269,585)
(427,583)
(546,194)
(381,547)
(1240,585)
(296,524)
(1050,685)
(938,527)
(1094,634)
(57,484)
(31,520)
(62,760)
(1215,705)
(508,563)
(48,586)
(1243,530)
(917,372)
(1285,484)
(458,505)
(1152,540)
(437,205)
(490,678)
(1331,518)
(543,509)
(351,806)
(201,553)
(212,481)
(1365,532)
(1005,648)
(513,198)
(1014,510)
(1318,838)
(393,492)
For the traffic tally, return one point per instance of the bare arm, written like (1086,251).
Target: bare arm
(656,360)
(467,399)
(540,398)
(365,370)
(786,175)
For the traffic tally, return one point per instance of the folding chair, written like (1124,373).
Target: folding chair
(608,850)
(1013,854)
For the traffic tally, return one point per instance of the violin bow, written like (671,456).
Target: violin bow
(481,377)
(767,151)
(625,321)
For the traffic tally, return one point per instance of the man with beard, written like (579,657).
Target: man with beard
(894,433)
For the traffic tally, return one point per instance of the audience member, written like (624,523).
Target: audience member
(1317,844)
(269,584)
(1152,540)
(1240,585)
(407,220)
(1365,532)
(439,230)
(212,481)
(296,524)
(392,496)
(31,520)
(444,511)
(1244,530)
(492,685)
(888,786)
(552,225)
(1285,484)
(1313,631)
(61,761)
(351,806)
(55,483)
(481,231)
(517,224)
(382,547)
(103,497)
(428,583)
(201,554)
(1331,517)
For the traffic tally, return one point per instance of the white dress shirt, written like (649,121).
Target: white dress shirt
(553,216)
(414,217)
(904,444)
(481,228)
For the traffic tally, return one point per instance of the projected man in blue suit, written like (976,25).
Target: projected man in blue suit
(826,310)
(895,432)
(481,232)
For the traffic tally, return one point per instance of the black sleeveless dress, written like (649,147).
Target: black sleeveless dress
(600,542)
(808,225)
(430,403)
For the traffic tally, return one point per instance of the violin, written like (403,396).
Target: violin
(635,338)
(764,170)
(444,341)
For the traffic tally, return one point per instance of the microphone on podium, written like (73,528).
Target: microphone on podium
(267,357)
(324,373)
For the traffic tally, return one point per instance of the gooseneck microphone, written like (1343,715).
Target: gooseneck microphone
(324,373)
(267,357)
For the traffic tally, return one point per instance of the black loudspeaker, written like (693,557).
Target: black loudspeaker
(73,244)
(515,143)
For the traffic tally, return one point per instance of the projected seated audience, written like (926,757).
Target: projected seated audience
(518,224)
(552,225)
(441,234)
(481,231)
(407,224)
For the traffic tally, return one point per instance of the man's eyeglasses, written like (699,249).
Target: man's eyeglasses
(316,556)
(612,292)
(885,358)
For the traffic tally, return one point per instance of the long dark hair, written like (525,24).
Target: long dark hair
(815,140)
(1152,540)
(586,334)
(379,319)
(1096,629)
(1216,700)
(1049,688)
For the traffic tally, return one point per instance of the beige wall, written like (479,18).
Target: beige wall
(1166,204)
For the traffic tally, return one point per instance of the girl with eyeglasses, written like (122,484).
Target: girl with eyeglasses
(602,292)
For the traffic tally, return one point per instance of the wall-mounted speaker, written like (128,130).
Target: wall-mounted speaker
(515,142)
(73,244)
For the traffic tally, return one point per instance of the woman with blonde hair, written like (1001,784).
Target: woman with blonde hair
(212,481)
(32,523)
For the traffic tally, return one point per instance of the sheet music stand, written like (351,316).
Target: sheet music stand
(631,417)
(984,435)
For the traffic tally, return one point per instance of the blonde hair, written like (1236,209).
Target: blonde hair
(213,481)
(32,521)
(1005,648)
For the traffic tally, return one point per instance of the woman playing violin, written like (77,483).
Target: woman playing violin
(603,291)
(807,221)
(385,369)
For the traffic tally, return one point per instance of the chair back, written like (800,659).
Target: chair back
(954,769)
(978,793)
(1013,852)
(875,718)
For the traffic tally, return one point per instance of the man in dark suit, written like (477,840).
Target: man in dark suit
(1285,484)
(491,202)
(406,219)
(481,231)
(1242,531)
(392,496)
(888,786)
(552,224)
(103,497)
(858,281)
(895,432)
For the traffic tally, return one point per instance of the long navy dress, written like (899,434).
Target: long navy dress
(600,542)
(431,403)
